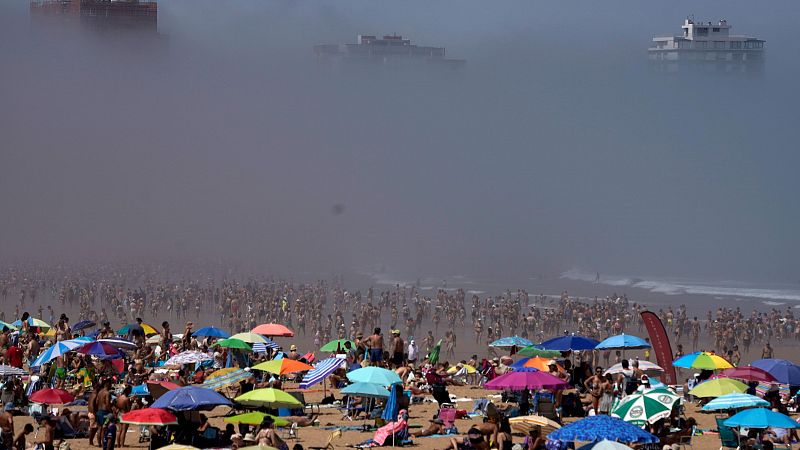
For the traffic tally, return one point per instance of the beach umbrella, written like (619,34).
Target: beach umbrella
(250,338)
(268,398)
(455,369)
(783,389)
(122,344)
(159,388)
(51,396)
(149,416)
(392,406)
(784,371)
(377,375)
(9,371)
(211,332)
(222,381)
(272,329)
(190,398)
(369,390)
(221,372)
(569,343)
(233,343)
(100,350)
(622,342)
(146,329)
(761,418)
(32,322)
(534,351)
(82,325)
(703,361)
(641,408)
(255,418)
(433,357)
(60,348)
(188,357)
(647,367)
(597,428)
(7,326)
(524,424)
(261,347)
(747,373)
(337,345)
(718,388)
(510,342)
(535,363)
(605,444)
(282,366)
(321,371)
(734,401)
(526,379)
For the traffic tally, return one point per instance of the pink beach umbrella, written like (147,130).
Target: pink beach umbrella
(528,378)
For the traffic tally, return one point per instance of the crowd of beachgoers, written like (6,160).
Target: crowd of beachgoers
(109,341)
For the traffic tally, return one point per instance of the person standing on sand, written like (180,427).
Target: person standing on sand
(7,426)
(767,352)
(103,407)
(122,404)
(375,345)
(398,349)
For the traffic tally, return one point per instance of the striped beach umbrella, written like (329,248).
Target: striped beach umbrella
(734,401)
(223,381)
(122,344)
(321,371)
(58,349)
(188,357)
(9,371)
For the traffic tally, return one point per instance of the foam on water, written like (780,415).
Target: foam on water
(674,286)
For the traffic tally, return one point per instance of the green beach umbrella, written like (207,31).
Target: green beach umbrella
(718,388)
(233,343)
(337,345)
(645,407)
(433,358)
(268,398)
(532,352)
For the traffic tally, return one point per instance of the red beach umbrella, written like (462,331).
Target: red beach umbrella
(748,373)
(150,416)
(51,396)
(272,329)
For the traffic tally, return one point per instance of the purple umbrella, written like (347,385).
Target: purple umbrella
(527,379)
(100,349)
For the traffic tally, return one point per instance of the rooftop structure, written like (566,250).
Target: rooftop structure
(707,45)
(385,50)
(103,14)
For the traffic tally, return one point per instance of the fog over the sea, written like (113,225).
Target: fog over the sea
(554,147)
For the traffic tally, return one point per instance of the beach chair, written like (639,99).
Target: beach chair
(447,413)
(727,435)
(685,441)
(329,445)
(546,408)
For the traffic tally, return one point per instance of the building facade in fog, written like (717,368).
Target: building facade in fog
(386,50)
(138,15)
(707,46)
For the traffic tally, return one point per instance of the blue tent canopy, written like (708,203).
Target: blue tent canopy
(597,428)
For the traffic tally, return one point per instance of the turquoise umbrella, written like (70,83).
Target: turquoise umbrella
(369,390)
(761,418)
(376,375)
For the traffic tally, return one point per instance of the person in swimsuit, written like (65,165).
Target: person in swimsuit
(267,435)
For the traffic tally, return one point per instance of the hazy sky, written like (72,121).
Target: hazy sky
(554,147)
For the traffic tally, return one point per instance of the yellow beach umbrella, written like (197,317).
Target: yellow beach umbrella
(250,338)
(525,424)
(718,388)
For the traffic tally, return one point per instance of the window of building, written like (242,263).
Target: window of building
(715,30)
(736,45)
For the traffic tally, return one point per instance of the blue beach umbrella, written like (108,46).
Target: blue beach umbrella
(83,324)
(567,343)
(212,332)
(623,341)
(190,398)
(58,349)
(784,371)
(375,375)
(761,418)
(734,401)
(369,390)
(140,390)
(597,428)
